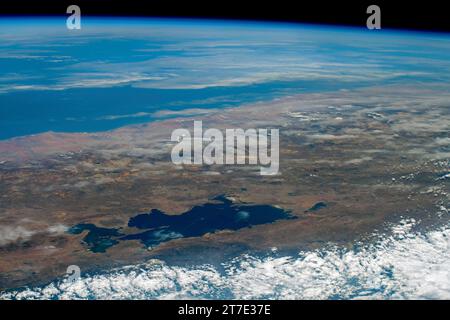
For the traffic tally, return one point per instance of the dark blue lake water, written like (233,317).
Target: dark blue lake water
(159,227)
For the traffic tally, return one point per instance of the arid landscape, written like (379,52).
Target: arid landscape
(351,161)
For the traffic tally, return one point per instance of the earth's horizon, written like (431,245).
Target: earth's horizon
(359,208)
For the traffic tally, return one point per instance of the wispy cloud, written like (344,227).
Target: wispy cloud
(125,116)
(15,234)
(204,57)
(11,234)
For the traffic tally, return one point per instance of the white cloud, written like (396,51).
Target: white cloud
(57,229)
(125,116)
(10,234)
(406,265)
(224,57)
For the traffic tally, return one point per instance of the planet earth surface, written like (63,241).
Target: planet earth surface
(358,209)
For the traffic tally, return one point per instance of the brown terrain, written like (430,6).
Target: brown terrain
(374,155)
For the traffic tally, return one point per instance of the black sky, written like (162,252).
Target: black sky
(426,15)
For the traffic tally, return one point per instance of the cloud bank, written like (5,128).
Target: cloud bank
(406,265)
